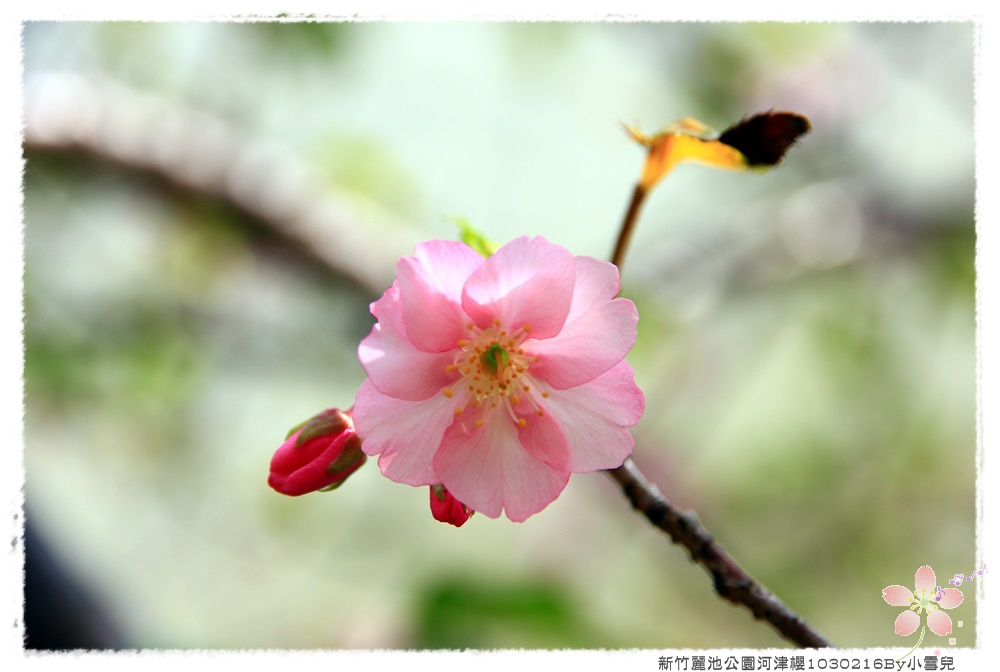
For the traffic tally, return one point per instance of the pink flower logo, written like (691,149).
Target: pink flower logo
(926,597)
(498,378)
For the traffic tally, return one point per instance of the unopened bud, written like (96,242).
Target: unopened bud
(317,455)
(447,509)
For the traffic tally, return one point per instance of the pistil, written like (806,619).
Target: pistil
(494,368)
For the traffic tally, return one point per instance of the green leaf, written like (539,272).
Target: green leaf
(477,241)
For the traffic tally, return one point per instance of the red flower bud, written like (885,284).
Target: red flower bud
(319,454)
(447,509)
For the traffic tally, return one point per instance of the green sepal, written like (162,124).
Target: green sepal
(438,491)
(322,424)
(349,456)
(296,428)
(477,241)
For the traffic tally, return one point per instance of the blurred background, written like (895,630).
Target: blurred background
(210,208)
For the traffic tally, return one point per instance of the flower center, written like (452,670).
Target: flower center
(924,600)
(495,359)
(494,371)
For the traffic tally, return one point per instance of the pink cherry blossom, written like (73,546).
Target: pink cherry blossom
(925,597)
(498,378)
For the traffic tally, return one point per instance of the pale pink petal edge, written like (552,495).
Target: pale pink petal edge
(925,579)
(939,623)
(897,596)
(952,598)
(907,623)
(528,281)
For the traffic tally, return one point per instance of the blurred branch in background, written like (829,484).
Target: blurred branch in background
(193,151)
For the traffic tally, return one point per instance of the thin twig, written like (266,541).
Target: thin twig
(731,581)
(628,225)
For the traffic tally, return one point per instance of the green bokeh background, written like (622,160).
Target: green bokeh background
(806,342)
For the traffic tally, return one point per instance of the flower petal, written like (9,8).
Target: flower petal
(406,433)
(897,596)
(598,332)
(594,417)
(952,598)
(939,622)
(543,437)
(528,281)
(907,623)
(487,469)
(394,366)
(430,285)
(924,579)
(448,265)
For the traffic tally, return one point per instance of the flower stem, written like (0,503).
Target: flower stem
(628,225)
(923,631)
(731,581)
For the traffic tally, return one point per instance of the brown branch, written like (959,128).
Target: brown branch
(628,225)
(731,581)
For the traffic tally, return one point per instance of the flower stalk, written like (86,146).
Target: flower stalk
(628,225)
(755,143)
(731,582)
